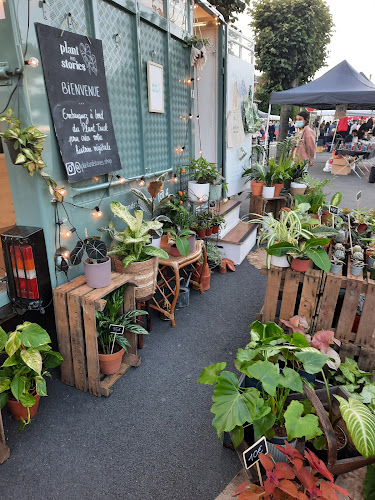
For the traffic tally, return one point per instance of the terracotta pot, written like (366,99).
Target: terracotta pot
(300,265)
(174,251)
(98,275)
(257,187)
(206,277)
(215,229)
(222,268)
(143,275)
(201,233)
(209,231)
(278,188)
(18,411)
(110,363)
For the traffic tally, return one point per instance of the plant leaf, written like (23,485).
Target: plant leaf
(77,253)
(298,426)
(155,252)
(313,361)
(32,358)
(210,373)
(41,386)
(360,422)
(238,435)
(34,336)
(291,379)
(3,399)
(52,359)
(27,400)
(320,258)
(3,338)
(183,246)
(267,373)
(13,343)
(369,484)
(17,386)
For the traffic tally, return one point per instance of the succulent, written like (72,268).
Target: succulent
(357,248)
(340,254)
(339,246)
(340,237)
(357,263)
(336,261)
(358,256)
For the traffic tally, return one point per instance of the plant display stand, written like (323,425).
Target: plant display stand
(329,302)
(4,450)
(260,205)
(168,281)
(75,313)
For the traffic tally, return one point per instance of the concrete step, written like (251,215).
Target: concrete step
(231,212)
(238,242)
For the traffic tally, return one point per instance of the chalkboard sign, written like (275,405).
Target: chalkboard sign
(251,455)
(333,210)
(74,74)
(359,195)
(117,329)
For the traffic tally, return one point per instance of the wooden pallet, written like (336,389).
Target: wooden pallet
(4,450)
(75,313)
(329,302)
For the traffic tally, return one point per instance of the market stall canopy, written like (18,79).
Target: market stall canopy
(264,116)
(340,85)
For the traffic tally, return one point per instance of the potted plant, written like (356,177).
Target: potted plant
(111,346)
(199,227)
(179,237)
(356,265)
(154,188)
(131,252)
(217,221)
(22,375)
(281,169)
(292,480)
(182,219)
(303,252)
(297,175)
(97,266)
(336,265)
(203,173)
(262,404)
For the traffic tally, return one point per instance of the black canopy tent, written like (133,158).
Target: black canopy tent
(340,85)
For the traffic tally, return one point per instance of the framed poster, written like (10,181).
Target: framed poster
(74,74)
(155,87)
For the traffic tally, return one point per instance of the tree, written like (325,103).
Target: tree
(230,8)
(291,42)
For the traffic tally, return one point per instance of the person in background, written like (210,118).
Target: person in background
(350,137)
(306,145)
(332,127)
(271,132)
(277,126)
(362,129)
(354,126)
(326,127)
(343,127)
(370,124)
(291,128)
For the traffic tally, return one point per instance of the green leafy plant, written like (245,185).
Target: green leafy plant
(180,239)
(213,254)
(264,406)
(29,357)
(195,40)
(96,251)
(259,172)
(292,480)
(132,242)
(203,172)
(310,249)
(110,316)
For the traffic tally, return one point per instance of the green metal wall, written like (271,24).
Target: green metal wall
(146,141)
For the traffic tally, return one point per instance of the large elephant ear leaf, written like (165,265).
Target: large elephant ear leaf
(77,253)
(96,249)
(360,422)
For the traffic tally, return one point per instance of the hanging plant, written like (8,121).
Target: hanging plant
(196,41)
(25,147)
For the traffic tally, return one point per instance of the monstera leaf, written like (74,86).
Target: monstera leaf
(360,422)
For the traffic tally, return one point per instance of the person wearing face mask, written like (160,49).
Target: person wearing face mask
(306,139)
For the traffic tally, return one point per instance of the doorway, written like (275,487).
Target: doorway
(7,215)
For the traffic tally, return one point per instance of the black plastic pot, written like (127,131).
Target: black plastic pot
(13,153)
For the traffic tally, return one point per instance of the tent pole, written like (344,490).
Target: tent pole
(266,135)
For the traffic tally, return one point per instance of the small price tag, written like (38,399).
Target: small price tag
(117,329)
(251,455)
(333,210)
(359,195)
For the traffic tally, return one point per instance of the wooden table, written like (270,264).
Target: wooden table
(168,283)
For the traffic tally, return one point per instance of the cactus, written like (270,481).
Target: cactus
(340,237)
(357,248)
(358,256)
(339,246)
(340,254)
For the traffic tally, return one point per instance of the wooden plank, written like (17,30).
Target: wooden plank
(327,306)
(71,285)
(290,290)
(107,383)
(309,295)
(63,336)
(348,351)
(366,360)
(92,356)
(77,340)
(118,279)
(272,294)
(366,329)
(349,309)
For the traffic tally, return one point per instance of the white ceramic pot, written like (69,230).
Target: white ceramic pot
(268,192)
(198,192)
(280,261)
(155,241)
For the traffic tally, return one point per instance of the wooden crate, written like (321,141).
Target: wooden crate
(329,302)
(4,450)
(260,205)
(75,313)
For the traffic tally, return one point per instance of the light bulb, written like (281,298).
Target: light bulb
(175,179)
(66,254)
(198,79)
(98,212)
(120,179)
(33,61)
(200,152)
(191,116)
(68,234)
(61,191)
(225,200)
(198,117)
(142,182)
(188,81)
(200,199)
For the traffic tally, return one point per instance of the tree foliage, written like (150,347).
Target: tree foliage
(230,8)
(291,40)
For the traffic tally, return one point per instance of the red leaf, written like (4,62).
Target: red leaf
(253,492)
(269,487)
(289,451)
(302,496)
(322,340)
(328,491)
(242,487)
(284,471)
(297,462)
(340,490)
(289,488)
(266,462)
(297,323)
(306,478)
(318,465)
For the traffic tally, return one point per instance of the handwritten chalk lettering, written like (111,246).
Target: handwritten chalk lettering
(97,137)
(117,329)
(102,147)
(99,115)
(82,149)
(333,210)
(71,88)
(65,49)
(75,128)
(251,455)
(86,128)
(72,139)
(72,65)
(102,128)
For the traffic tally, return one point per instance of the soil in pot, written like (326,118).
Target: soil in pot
(300,265)
(110,363)
(341,441)
(17,410)
(257,187)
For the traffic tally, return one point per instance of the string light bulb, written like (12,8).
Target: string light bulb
(191,116)
(142,182)
(200,152)
(174,178)
(200,199)
(33,62)
(97,212)
(65,254)
(198,79)
(198,117)
(225,200)
(121,179)
(68,233)
(61,191)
